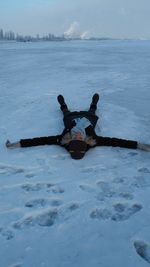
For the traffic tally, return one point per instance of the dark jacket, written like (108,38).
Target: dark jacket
(99,140)
(70,116)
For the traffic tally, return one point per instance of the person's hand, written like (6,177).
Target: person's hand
(8,144)
(145,147)
(12,145)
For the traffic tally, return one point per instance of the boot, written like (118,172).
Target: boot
(95,99)
(62,103)
(61,100)
(94,102)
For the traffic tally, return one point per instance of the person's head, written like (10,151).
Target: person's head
(77,149)
(77,136)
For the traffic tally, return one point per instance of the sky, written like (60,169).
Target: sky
(102,18)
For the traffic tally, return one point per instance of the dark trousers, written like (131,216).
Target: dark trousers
(69,116)
(65,110)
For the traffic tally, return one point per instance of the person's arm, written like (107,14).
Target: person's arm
(116,142)
(38,141)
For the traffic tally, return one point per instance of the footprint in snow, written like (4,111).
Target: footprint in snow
(73,206)
(119,180)
(41,202)
(87,188)
(126,195)
(7,233)
(103,187)
(67,211)
(141,181)
(30,175)
(44,218)
(56,189)
(105,190)
(122,212)
(56,202)
(32,187)
(144,170)
(8,169)
(142,249)
(101,214)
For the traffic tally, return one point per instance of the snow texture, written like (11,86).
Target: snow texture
(56,211)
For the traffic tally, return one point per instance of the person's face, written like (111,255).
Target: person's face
(78,136)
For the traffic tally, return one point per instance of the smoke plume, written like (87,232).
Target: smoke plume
(74,32)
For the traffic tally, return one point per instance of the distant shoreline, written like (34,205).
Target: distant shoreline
(70,40)
(11,36)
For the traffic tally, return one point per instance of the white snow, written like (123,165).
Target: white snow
(56,211)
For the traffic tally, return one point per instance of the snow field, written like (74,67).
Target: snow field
(55,211)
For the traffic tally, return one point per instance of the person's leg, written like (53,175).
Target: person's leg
(63,105)
(93,105)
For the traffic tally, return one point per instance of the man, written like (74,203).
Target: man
(79,133)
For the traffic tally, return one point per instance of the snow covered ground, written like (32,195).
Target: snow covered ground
(55,211)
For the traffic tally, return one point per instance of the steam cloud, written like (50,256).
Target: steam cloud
(74,32)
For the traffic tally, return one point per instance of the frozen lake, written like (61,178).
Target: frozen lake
(55,211)
(120,67)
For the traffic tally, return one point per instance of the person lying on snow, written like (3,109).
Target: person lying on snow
(79,133)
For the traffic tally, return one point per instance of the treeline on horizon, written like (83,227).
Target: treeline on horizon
(11,36)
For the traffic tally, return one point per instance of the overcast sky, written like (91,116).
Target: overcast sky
(108,18)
